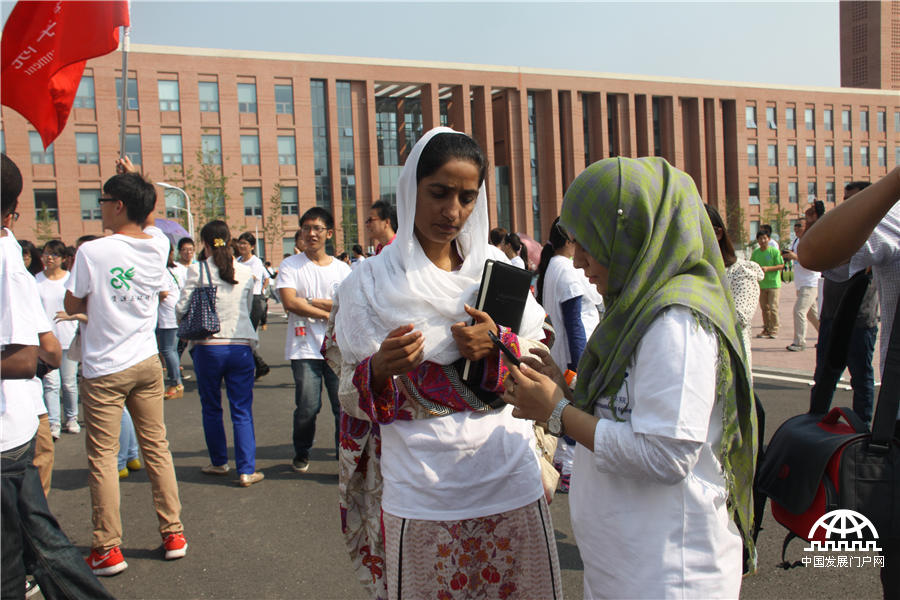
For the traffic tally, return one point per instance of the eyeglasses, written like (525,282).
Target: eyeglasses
(50,255)
(103,199)
(371,220)
(313,229)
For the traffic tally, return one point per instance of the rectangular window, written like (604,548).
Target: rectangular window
(132,93)
(897,155)
(846,123)
(249,149)
(347,162)
(208,95)
(848,156)
(881,153)
(290,204)
(171,149)
(319,116)
(863,120)
(829,155)
(752,159)
(897,122)
(811,190)
(792,192)
(284,99)
(246,97)
(864,156)
(828,119)
(772,155)
(287,246)
(773,191)
(287,150)
(168,95)
(771,118)
(211,147)
(750,117)
(84,97)
(881,121)
(38,155)
(87,148)
(790,118)
(252,202)
(809,118)
(811,155)
(90,205)
(829,191)
(133,147)
(535,188)
(792,155)
(753,192)
(46,206)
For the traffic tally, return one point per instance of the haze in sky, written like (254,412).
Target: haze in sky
(791,43)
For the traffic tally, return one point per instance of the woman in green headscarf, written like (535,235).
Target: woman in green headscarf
(663,408)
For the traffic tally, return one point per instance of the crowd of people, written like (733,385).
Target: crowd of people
(633,351)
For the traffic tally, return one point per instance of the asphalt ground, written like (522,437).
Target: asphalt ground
(281,538)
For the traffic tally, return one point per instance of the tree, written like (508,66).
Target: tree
(273,227)
(736,218)
(779,218)
(46,228)
(349,226)
(207,186)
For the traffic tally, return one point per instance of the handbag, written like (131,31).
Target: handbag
(817,462)
(201,320)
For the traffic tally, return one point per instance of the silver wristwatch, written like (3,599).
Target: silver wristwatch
(554,423)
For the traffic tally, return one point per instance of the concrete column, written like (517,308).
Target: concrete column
(460,110)
(482,128)
(431,108)
(334,153)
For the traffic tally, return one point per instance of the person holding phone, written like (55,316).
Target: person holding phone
(663,409)
(453,476)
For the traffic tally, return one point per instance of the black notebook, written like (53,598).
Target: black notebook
(503,293)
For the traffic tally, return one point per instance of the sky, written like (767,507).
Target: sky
(790,43)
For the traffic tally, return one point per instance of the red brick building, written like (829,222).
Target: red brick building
(334,131)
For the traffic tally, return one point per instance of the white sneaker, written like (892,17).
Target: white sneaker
(55,430)
(72,426)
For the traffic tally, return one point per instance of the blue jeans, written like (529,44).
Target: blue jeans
(859,363)
(308,376)
(128,444)
(235,364)
(66,375)
(31,536)
(167,339)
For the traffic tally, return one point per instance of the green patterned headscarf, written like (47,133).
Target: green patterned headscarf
(644,220)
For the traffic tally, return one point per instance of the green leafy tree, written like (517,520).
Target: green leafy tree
(349,227)
(207,185)
(46,228)
(736,223)
(780,220)
(273,227)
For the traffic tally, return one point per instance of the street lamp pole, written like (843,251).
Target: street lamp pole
(187,202)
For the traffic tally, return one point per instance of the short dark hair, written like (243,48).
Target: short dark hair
(386,212)
(250,239)
(819,206)
(11,184)
(136,193)
(55,247)
(90,237)
(183,241)
(317,212)
(762,232)
(445,146)
(857,185)
(497,235)
(357,249)
(766,229)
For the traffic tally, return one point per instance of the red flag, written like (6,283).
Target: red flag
(43,52)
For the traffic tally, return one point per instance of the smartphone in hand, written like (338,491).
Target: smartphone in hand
(509,354)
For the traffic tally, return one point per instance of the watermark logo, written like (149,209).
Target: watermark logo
(121,277)
(846,531)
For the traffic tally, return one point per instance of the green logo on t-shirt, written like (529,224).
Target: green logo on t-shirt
(121,277)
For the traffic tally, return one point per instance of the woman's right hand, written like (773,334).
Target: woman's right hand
(545,365)
(401,351)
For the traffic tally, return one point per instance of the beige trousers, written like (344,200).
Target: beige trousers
(140,388)
(44,453)
(768,302)
(805,308)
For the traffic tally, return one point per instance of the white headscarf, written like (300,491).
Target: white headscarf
(401,285)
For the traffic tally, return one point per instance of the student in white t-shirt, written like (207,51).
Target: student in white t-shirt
(662,409)
(515,250)
(246,246)
(167,328)
(307,283)
(62,384)
(116,282)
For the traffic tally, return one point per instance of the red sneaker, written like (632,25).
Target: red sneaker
(176,546)
(107,564)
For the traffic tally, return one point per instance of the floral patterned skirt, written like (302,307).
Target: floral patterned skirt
(507,555)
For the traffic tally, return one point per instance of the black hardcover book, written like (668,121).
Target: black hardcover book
(502,294)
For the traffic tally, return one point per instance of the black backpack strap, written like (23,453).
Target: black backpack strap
(889,395)
(839,342)
(785,564)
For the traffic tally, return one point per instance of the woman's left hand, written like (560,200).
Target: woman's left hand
(533,394)
(472,340)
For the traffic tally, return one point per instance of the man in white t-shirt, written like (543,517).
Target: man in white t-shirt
(48,554)
(807,284)
(307,283)
(116,282)
(246,246)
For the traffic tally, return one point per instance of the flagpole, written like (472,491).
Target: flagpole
(126,39)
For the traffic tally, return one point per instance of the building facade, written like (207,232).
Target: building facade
(261,137)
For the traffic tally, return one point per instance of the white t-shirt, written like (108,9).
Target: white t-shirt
(356,261)
(461,466)
(180,271)
(305,335)
(166,311)
(259,272)
(22,319)
(517,261)
(562,282)
(121,277)
(53,293)
(640,537)
(803,277)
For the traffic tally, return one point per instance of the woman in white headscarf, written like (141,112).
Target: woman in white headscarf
(459,484)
